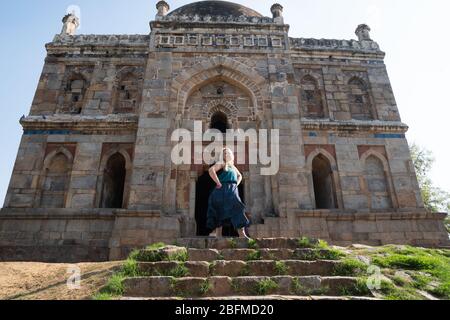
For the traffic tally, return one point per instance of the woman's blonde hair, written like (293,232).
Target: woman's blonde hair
(221,159)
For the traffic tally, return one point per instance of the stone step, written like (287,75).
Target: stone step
(237,243)
(239,286)
(238,268)
(260,254)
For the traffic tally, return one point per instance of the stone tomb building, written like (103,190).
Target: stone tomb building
(94,178)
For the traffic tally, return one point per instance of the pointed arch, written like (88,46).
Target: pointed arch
(324,183)
(219,68)
(127,90)
(311,97)
(55,179)
(111,185)
(378,184)
(361,105)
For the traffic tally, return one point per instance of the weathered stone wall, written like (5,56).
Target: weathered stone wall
(415,228)
(101,96)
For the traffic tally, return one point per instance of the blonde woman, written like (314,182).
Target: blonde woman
(224,202)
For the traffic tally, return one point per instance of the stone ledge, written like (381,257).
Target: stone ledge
(75,214)
(355,125)
(354,215)
(80,123)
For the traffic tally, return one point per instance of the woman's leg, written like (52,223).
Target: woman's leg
(217,233)
(243,234)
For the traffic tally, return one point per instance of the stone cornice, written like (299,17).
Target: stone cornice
(85,124)
(308,44)
(132,41)
(355,125)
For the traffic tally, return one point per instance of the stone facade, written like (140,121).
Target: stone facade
(94,178)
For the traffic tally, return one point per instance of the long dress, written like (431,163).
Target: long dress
(225,203)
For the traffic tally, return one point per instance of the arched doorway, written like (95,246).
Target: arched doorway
(205,185)
(114,182)
(219,121)
(324,189)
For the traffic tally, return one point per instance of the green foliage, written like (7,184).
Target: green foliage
(114,287)
(103,296)
(157,255)
(232,243)
(281,268)
(435,199)
(298,289)
(265,287)
(350,267)
(392,292)
(130,268)
(179,271)
(254,255)
(425,266)
(252,244)
(305,242)
(359,289)
(205,287)
(245,272)
(156,246)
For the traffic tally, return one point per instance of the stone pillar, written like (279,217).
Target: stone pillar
(83,182)
(70,24)
(363,32)
(277,12)
(291,181)
(152,152)
(163,8)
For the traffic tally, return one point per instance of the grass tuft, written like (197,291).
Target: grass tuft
(265,287)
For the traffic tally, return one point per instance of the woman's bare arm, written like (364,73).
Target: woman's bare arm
(213,173)
(239,176)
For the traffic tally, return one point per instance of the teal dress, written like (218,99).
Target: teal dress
(225,204)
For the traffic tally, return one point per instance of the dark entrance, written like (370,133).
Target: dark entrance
(113,182)
(323,183)
(205,185)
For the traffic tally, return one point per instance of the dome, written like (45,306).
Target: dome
(215,8)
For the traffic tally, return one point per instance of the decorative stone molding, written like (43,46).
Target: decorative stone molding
(70,123)
(355,125)
(219,41)
(100,40)
(217,19)
(331,44)
(223,105)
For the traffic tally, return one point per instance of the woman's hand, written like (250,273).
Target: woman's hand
(219,186)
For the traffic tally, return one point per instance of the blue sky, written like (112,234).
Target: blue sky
(413,33)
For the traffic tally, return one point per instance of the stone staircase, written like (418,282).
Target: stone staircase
(239,269)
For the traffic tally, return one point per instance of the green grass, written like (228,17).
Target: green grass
(156,246)
(392,292)
(205,287)
(281,268)
(252,244)
(298,289)
(350,267)
(265,287)
(156,255)
(103,296)
(306,243)
(423,265)
(232,243)
(255,255)
(245,272)
(179,271)
(360,289)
